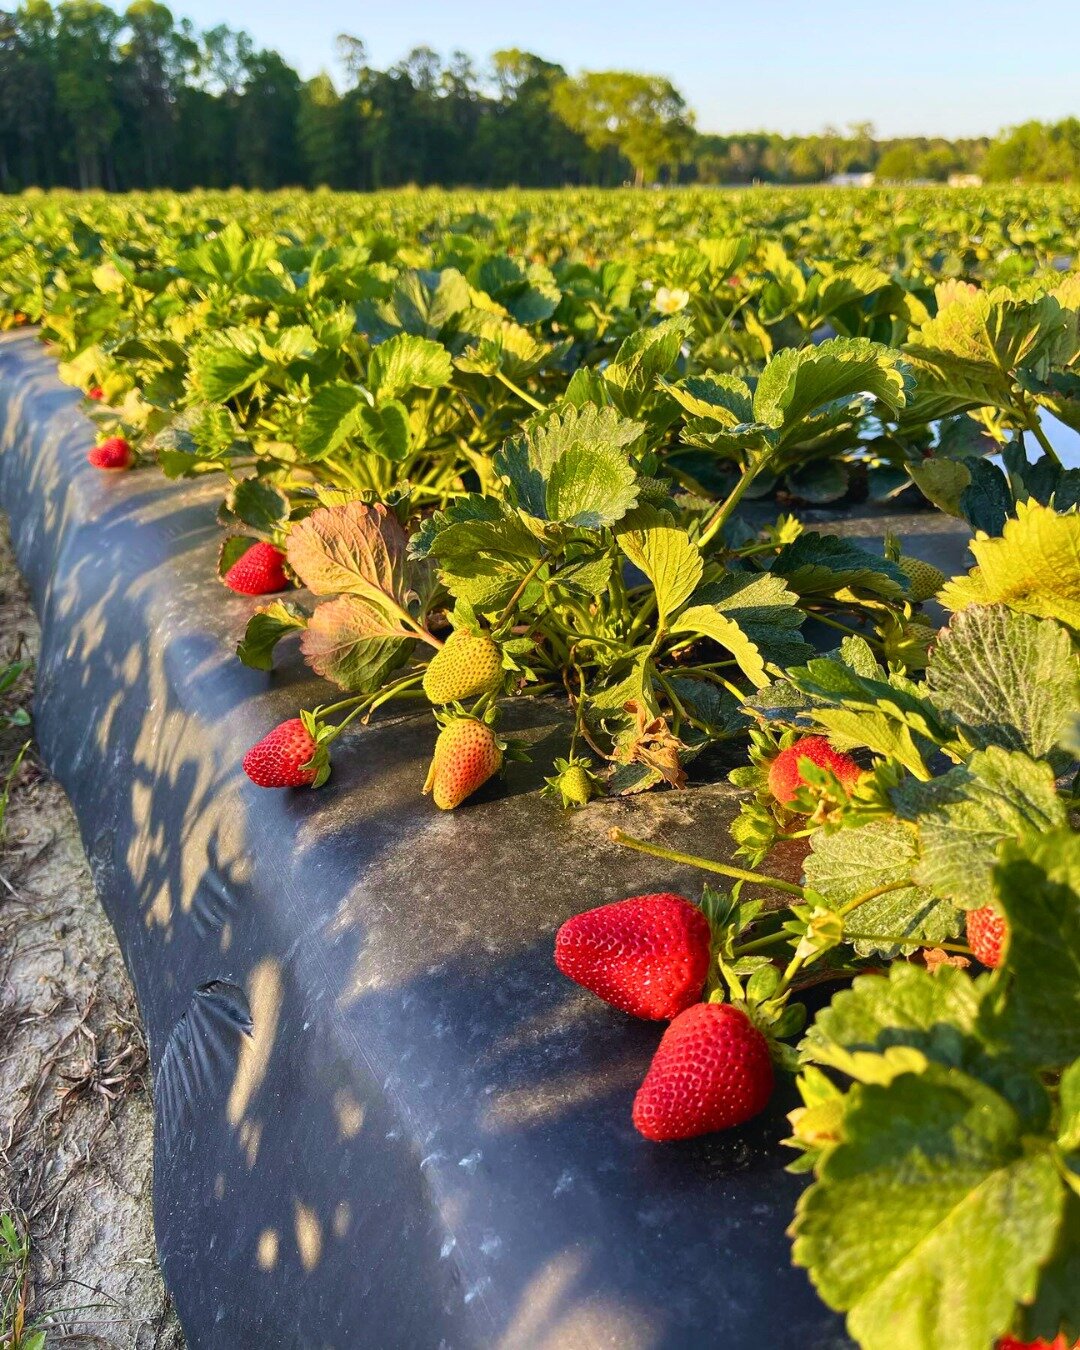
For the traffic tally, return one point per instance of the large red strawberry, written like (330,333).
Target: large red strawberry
(259,571)
(277,760)
(986,930)
(647,956)
(711,1070)
(785,778)
(466,755)
(115,453)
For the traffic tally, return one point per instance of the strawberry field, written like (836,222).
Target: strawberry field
(581,450)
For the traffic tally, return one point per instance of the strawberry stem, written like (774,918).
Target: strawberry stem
(906,940)
(511,603)
(706,864)
(901,885)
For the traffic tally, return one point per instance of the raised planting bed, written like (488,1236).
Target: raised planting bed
(381,1115)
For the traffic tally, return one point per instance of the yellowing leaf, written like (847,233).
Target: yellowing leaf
(1033,567)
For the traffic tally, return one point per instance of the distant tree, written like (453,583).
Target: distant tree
(643,117)
(1037,151)
(86,33)
(267,114)
(320,128)
(154,61)
(92,97)
(899,164)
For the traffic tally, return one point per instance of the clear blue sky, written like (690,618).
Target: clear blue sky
(954,67)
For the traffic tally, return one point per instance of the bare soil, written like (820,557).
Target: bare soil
(75,1113)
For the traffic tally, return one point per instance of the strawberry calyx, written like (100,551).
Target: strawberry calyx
(323,734)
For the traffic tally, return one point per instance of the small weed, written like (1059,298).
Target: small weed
(15,1332)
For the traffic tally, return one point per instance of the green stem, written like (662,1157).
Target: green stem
(842,627)
(725,510)
(520,590)
(706,864)
(902,940)
(761,943)
(515,389)
(406,618)
(903,885)
(1035,427)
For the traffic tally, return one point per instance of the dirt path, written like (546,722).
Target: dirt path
(75,1117)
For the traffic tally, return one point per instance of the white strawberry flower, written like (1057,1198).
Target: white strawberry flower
(669,300)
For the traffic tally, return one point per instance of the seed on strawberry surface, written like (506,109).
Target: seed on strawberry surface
(711,1071)
(277,760)
(785,777)
(648,956)
(115,453)
(466,755)
(259,571)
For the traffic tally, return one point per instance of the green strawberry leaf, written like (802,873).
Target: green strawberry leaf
(331,417)
(590,487)
(354,644)
(258,504)
(816,565)
(385,429)
(665,553)
(643,357)
(225,363)
(931,1218)
(573,466)
(407,362)
(799,381)
(483,560)
(725,399)
(1033,1006)
(1034,567)
(1006,679)
(966,813)
(879,1028)
(266,627)
(845,864)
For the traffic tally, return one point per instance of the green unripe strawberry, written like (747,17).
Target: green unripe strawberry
(467,665)
(467,754)
(925,579)
(573,783)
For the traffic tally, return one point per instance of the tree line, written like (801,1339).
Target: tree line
(93,98)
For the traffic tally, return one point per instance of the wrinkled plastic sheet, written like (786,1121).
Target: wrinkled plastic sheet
(381,1117)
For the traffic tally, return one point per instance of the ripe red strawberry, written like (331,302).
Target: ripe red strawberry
(115,453)
(986,930)
(466,756)
(784,775)
(258,571)
(467,665)
(711,1071)
(96,393)
(276,760)
(647,956)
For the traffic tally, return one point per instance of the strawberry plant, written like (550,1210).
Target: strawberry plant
(475,447)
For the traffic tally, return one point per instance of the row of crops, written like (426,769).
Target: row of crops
(506,443)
